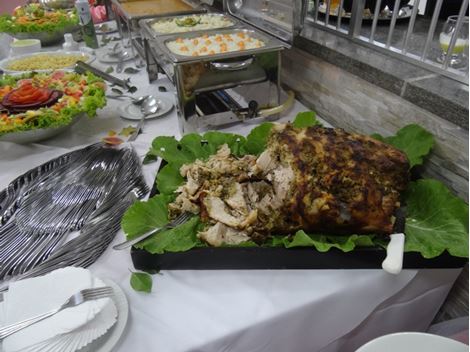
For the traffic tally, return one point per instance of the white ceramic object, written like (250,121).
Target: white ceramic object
(130,111)
(107,342)
(4,64)
(25,46)
(413,342)
(107,58)
(393,263)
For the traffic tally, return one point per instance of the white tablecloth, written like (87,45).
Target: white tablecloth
(243,310)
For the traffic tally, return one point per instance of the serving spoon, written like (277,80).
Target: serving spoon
(149,106)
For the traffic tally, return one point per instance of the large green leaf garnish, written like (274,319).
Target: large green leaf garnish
(141,282)
(143,216)
(413,140)
(436,221)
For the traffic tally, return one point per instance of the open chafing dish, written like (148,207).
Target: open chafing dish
(128,13)
(203,82)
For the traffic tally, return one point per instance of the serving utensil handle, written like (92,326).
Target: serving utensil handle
(232,65)
(129,243)
(81,67)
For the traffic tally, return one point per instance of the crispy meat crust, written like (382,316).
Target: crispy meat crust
(344,183)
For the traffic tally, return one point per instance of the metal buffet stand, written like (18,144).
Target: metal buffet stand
(128,13)
(210,88)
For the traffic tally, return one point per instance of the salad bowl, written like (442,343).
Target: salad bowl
(40,134)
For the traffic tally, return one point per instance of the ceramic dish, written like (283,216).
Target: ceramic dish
(412,342)
(46,38)
(108,58)
(5,64)
(40,134)
(130,111)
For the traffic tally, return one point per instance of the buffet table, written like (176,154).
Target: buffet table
(241,310)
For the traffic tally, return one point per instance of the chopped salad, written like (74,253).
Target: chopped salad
(34,18)
(43,100)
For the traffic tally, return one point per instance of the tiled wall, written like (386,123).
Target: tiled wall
(345,100)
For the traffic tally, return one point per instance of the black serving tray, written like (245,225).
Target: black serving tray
(210,258)
(220,258)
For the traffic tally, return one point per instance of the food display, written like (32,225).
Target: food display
(214,44)
(32,18)
(44,61)
(154,7)
(191,23)
(43,100)
(296,185)
(317,179)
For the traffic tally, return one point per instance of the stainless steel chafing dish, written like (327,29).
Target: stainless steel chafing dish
(128,13)
(203,82)
(149,24)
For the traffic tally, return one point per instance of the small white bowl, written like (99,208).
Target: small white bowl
(25,46)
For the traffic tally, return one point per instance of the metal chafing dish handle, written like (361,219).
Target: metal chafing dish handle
(231,65)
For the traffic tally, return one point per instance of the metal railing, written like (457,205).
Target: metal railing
(361,25)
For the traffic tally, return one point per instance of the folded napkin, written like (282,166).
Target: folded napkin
(30,297)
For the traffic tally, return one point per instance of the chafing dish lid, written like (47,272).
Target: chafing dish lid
(281,18)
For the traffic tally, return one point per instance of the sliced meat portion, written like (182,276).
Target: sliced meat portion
(316,179)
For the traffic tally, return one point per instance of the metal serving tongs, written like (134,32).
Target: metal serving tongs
(393,262)
(81,67)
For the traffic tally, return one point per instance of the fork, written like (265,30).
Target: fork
(74,300)
(182,218)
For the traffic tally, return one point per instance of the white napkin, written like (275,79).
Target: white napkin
(30,297)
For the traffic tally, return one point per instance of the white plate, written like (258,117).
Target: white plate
(413,342)
(105,57)
(111,28)
(107,342)
(5,62)
(132,112)
(104,343)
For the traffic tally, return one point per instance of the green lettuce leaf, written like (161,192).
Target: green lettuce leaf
(413,140)
(178,239)
(257,139)
(141,282)
(306,119)
(168,148)
(436,220)
(169,179)
(324,243)
(143,216)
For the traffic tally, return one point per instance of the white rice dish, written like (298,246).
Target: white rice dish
(191,23)
(214,44)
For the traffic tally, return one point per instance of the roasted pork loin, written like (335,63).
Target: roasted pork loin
(321,180)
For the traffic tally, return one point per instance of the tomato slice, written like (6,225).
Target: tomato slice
(28,94)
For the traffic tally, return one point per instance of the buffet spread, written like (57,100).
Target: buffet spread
(296,194)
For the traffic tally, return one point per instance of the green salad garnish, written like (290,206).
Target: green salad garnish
(33,18)
(81,94)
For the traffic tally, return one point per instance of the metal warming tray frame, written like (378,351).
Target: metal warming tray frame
(271,44)
(194,75)
(134,19)
(148,23)
(131,21)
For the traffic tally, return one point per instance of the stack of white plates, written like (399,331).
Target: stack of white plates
(92,326)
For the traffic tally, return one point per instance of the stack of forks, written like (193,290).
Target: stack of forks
(87,190)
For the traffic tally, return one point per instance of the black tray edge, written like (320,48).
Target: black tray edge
(210,258)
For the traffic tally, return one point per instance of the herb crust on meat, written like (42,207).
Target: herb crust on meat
(316,179)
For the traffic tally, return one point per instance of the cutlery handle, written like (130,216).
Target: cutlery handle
(12,328)
(393,263)
(81,67)
(128,243)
